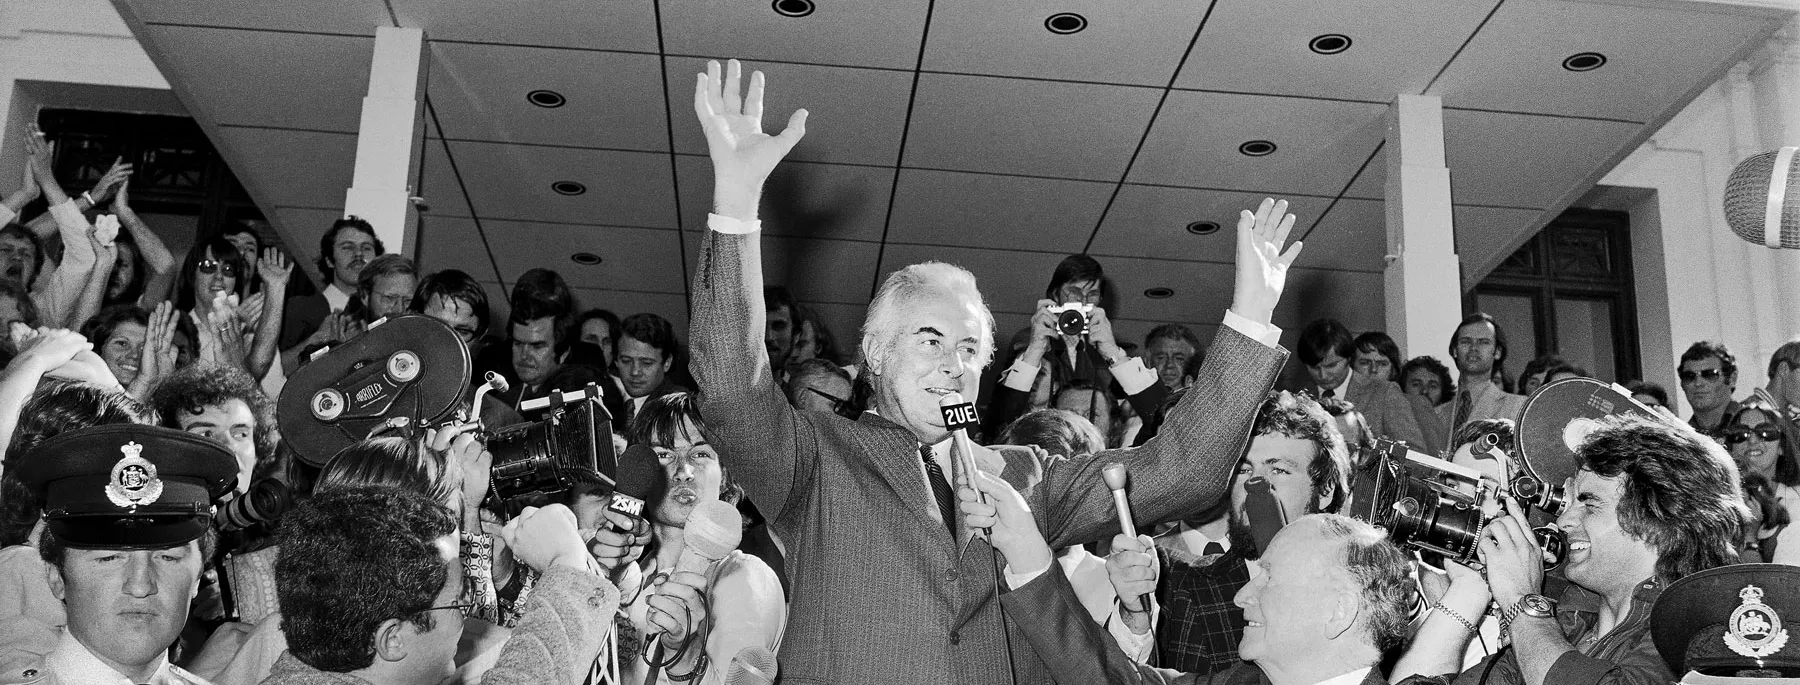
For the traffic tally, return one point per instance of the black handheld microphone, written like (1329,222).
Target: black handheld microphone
(641,479)
(1115,477)
(1264,511)
(959,417)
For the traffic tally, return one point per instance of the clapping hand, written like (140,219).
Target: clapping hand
(274,269)
(158,358)
(114,180)
(741,152)
(1262,265)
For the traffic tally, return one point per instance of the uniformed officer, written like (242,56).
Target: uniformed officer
(1726,625)
(128,511)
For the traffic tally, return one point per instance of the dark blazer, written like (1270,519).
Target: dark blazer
(301,316)
(1080,652)
(882,593)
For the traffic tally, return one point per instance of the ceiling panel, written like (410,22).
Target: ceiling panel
(1485,235)
(854,116)
(819,270)
(1202,289)
(1396,46)
(451,242)
(801,199)
(1654,55)
(260,78)
(1352,237)
(1319,143)
(1371,184)
(315,171)
(438,179)
(359,17)
(1139,42)
(860,33)
(983,210)
(613,25)
(633,258)
(1038,128)
(1518,160)
(513,182)
(1151,221)
(612,100)
(300,229)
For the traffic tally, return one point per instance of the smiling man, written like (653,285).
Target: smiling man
(1651,503)
(129,530)
(888,587)
(1708,375)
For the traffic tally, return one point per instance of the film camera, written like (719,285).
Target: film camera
(1431,504)
(411,373)
(1072,317)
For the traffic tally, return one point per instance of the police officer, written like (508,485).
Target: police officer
(1730,624)
(128,512)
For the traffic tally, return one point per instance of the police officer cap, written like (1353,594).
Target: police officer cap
(1732,621)
(128,486)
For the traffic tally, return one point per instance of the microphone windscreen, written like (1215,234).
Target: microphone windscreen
(1759,190)
(753,665)
(1263,510)
(641,474)
(713,530)
(1114,475)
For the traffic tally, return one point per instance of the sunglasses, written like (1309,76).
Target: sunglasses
(211,266)
(1765,433)
(1708,374)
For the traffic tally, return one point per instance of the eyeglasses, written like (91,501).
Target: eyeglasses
(211,266)
(464,609)
(1708,374)
(839,405)
(1765,433)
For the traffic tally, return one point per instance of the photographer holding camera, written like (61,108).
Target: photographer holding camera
(1650,504)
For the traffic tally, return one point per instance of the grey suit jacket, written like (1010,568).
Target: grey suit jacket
(1385,407)
(1490,402)
(881,593)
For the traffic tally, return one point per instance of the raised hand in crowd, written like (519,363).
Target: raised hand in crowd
(742,155)
(274,268)
(221,334)
(101,240)
(157,360)
(28,190)
(159,263)
(1262,264)
(1134,571)
(109,184)
(82,365)
(546,537)
(40,352)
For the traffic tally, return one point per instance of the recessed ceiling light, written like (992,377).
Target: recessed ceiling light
(548,99)
(1329,44)
(1065,23)
(1203,227)
(585,258)
(793,8)
(568,188)
(1159,293)
(1257,148)
(1584,61)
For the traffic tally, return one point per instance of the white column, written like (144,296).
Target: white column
(1424,276)
(387,142)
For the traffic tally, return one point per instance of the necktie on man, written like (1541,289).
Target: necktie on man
(1465,406)
(1213,547)
(940,488)
(1330,393)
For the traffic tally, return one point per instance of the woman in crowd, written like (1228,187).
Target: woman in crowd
(212,294)
(745,604)
(138,346)
(1767,444)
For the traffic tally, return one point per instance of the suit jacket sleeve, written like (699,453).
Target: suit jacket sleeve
(1397,417)
(1076,650)
(761,435)
(562,632)
(1181,471)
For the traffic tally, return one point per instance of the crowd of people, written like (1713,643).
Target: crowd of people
(155,528)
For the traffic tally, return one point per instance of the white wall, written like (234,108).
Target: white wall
(1696,279)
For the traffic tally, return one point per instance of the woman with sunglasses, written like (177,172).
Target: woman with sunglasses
(234,327)
(1765,443)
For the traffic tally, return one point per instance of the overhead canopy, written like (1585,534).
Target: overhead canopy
(981,133)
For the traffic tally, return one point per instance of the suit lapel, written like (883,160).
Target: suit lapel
(894,455)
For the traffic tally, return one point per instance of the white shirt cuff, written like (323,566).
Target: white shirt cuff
(725,224)
(1133,376)
(1018,580)
(1019,376)
(68,216)
(1136,646)
(1266,333)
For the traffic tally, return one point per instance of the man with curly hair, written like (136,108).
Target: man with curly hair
(223,404)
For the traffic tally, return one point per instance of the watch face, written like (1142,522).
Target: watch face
(1537,605)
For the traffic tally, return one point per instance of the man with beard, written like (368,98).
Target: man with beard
(743,600)
(348,246)
(1297,449)
(128,532)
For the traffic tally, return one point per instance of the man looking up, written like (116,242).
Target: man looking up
(129,531)
(887,585)
(1478,348)
(1708,375)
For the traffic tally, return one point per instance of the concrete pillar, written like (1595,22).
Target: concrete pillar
(387,141)
(1424,276)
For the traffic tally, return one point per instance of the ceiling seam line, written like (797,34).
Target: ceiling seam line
(662,60)
(294,32)
(1341,193)
(1460,48)
(912,99)
(1149,126)
(468,201)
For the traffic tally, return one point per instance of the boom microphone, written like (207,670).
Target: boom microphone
(1762,199)
(1114,474)
(753,665)
(641,480)
(713,530)
(959,417)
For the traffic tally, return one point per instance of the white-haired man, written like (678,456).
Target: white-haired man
(887,585)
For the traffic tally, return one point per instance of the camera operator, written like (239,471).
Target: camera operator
(1651,503)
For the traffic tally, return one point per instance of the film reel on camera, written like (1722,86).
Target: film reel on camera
(1560,415)
(411,367)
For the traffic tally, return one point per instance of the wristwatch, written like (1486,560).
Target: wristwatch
(1533,605)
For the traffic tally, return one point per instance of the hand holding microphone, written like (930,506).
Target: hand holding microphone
(1116,480)
(959,417)
(623,532)
(1134,571)
(1004,513)
(679,608)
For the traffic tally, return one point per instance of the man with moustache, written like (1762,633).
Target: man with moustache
(1298,450)
(128,513)
(1651,503)
(888,586)
(348,246)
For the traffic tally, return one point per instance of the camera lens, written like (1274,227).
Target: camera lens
(1072,322)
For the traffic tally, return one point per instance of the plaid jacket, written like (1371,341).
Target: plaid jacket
(1200,626)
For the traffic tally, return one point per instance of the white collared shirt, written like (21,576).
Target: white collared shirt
(336,299)
(72,662)
(1351,678)
(1343,388)
(1195,541)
